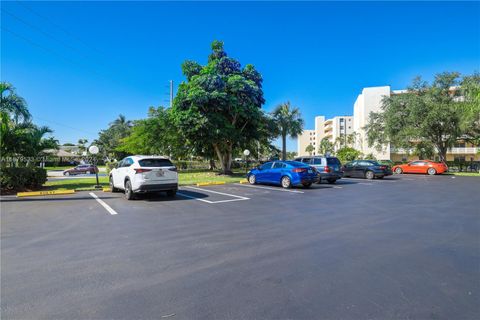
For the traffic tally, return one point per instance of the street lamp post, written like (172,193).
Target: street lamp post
(246,153)
(94,150)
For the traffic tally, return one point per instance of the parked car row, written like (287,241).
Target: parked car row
(142,174)
(304,171)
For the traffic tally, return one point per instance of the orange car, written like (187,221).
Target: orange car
(421,166)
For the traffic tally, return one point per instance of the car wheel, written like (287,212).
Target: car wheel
(171,193)
(111,185)
(369,175)
(398,171)
(252,179)
(128,191)
(307,185)
(286,182)
(331,181)
(431,171)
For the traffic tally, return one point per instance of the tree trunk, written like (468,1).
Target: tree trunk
(225,159)
(212,165)
(284,146)
(442,152)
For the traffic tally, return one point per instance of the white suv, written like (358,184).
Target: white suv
(141,174)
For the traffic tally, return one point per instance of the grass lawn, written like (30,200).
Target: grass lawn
(184,178)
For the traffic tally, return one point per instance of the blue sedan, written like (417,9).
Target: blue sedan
(284,173)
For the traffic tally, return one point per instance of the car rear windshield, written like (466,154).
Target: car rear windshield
(333,161)
(155,163)
(296,164)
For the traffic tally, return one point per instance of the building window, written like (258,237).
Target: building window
(459,159)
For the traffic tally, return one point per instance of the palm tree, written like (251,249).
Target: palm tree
(121,123)
(325,146)
(310,149)
(289,123)
(13,105)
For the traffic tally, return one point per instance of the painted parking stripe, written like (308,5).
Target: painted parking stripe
(217,192)
(237,198)
(106,206)
(191,197)
(269,188)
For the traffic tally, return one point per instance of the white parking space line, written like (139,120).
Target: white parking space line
(217,192)
(191,197)
(106,206)
(268,188)
(237,198)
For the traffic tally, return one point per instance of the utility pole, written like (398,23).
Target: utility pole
(171,93)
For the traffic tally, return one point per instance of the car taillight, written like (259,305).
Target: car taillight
(327,169)
(142,170)
(173,169)
(298,170)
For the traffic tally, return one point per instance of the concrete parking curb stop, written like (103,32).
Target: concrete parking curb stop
(44,193)
(243,181)
(202,184)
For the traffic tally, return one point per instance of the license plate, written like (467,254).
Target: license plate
(160,173)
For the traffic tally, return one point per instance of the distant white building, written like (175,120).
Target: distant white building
(332,129)
(370,100)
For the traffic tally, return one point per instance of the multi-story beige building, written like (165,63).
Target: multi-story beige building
(370,100)
(333,129)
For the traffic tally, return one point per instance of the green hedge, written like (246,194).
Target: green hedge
(22,178)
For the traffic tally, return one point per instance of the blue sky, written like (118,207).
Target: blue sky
(80,64)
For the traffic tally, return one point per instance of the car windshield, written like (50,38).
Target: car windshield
(155,163)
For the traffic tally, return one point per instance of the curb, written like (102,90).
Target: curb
(88,189)
(44,193)
(243,181)
(210,183)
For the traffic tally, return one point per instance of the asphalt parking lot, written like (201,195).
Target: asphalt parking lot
(406,247)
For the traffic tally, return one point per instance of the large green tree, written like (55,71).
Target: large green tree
(110,139)
(219,105)
(433,115)
(155,135)
(470,90)
(289,123)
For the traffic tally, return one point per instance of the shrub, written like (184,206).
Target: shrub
(21,178)
(109,165)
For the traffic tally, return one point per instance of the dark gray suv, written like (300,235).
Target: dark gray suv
(329,168)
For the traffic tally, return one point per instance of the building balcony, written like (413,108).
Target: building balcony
(465,150)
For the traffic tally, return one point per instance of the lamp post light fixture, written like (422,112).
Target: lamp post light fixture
(246,153)
(94,150)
